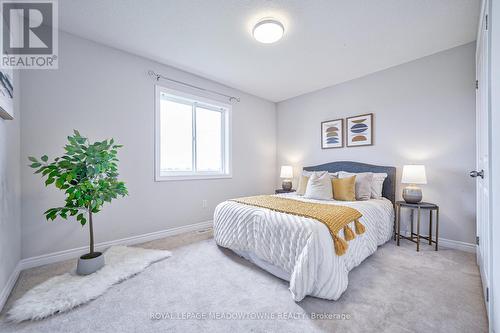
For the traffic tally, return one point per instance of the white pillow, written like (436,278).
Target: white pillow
(334,175)
(363,186)
(319,187)
(301,187)
(377,184)
(309,173)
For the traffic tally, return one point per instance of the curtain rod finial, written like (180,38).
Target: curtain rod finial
(159,76)
(153,74)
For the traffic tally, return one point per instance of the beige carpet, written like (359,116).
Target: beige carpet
(209,289)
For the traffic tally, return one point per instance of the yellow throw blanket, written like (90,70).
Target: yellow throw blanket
(335,217)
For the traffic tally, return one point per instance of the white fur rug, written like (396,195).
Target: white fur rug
(64,292)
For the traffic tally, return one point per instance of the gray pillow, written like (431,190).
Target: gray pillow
(378,184)
(363,185)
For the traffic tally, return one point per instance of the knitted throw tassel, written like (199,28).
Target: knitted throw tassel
(360,228)
(340,245)
(348,233)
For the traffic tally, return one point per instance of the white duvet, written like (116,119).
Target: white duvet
(300,249)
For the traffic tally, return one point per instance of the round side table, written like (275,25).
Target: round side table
(415,237)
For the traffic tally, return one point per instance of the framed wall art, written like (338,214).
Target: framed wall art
(359,130)
(6,94)
(332,134)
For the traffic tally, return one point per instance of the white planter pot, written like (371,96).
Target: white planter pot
(88,264)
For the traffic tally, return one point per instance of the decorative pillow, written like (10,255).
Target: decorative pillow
(301,188)
(319,187)
(363,184)
(377,184)
(344,188)
(334,174)
(304,178)
(309,173)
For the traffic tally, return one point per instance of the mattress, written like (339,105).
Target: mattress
(300,249)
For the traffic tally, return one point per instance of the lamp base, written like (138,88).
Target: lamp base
(286,185)
(412,194)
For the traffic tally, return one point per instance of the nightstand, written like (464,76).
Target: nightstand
(280,190)
(415,237)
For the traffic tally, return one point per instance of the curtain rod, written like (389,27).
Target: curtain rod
(157,77)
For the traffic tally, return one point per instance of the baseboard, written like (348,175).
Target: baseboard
(452,244)
(11,282)
(76,252)
(457,245)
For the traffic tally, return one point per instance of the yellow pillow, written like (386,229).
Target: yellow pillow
(344,189)
(301,189)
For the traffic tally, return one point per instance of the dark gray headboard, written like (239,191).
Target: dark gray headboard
(389,188)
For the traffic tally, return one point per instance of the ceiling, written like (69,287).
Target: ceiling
(326,41)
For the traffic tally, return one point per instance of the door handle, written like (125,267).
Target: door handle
(475,174)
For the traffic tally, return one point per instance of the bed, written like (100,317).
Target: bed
(300,249)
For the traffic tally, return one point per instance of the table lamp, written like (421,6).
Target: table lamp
(413,175)
(287,175)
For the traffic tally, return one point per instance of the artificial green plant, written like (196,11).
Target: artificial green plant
(88,175)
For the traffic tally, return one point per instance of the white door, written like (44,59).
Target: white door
(483,250)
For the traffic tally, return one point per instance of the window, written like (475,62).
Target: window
(192,137)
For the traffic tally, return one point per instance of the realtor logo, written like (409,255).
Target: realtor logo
(29,34)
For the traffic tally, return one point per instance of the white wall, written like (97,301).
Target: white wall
(104,92)
(10,192)
(424,113)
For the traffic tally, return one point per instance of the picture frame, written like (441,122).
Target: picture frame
(332,134)
(6,94)
(359,130)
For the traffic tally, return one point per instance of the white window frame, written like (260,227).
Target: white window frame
(182,97)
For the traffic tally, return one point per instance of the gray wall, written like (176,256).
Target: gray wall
(10,192)
(424,113)
(106,93)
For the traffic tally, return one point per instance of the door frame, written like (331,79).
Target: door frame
(487,278)
(494,73)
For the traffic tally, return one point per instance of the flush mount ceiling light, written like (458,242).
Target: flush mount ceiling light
(268,31)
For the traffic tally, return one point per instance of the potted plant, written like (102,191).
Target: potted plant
(88,175)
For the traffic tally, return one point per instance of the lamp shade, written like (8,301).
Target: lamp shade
(286,171)
(414,174)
